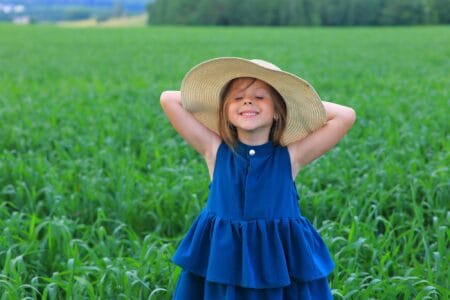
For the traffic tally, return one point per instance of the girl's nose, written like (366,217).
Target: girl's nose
(247,100)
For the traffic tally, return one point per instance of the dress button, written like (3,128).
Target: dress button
(251,152)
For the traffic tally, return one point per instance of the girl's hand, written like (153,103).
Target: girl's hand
(205,141)
(339,120)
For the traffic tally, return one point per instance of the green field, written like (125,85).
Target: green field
(96,188)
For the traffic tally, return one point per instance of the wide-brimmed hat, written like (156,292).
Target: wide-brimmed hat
(202,87)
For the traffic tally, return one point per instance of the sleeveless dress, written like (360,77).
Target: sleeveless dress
(250,241)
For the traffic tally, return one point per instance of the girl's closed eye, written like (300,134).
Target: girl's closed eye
(238,97)
(262,95)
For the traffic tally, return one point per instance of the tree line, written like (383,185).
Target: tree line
(299,12)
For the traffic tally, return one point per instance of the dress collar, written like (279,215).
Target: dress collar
(254,151)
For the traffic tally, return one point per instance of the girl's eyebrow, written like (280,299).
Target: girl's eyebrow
(262,90)
(235,92)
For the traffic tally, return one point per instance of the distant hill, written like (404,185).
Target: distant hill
(59,10)
(135,6)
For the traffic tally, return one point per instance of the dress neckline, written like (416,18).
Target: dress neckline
(254,151)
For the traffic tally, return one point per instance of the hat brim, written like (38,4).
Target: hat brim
(202,86)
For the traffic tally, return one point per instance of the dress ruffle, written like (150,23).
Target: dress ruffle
(193,287)
(254,253)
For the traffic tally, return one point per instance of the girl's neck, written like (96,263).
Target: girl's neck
(253,139)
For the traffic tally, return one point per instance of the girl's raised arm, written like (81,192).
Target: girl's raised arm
(205,141)
(339,120)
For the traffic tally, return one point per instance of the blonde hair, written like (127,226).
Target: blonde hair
(227,130)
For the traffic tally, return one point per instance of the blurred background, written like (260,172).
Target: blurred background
(229,12)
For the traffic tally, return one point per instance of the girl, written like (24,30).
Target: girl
(256,127)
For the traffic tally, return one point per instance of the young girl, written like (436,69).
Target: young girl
(256,127)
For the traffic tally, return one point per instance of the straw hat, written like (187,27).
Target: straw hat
(202,86)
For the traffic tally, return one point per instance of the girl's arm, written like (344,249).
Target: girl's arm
(339,120)
(205,141)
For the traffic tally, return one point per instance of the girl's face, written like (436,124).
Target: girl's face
(250,106)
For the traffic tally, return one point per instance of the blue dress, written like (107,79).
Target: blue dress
(250,241)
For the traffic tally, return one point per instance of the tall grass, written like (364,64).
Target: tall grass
(97,189)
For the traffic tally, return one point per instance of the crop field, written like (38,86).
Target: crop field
(97,189)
